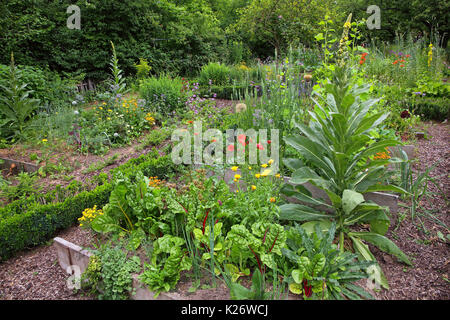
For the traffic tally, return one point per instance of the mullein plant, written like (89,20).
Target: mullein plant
(16,106)
(339,148)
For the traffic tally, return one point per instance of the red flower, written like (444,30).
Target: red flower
(395,62)
(402,65)
(269,142)
(408,55)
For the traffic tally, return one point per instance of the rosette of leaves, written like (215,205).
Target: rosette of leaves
(261,245)
(320,270)
(169,258)
(338,145)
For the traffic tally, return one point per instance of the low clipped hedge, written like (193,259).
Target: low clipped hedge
(432,108)
(27,223)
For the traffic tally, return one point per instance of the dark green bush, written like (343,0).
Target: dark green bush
(431,108)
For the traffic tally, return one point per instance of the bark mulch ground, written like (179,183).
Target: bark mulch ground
(36,274)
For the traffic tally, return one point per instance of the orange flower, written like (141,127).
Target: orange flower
(395,62)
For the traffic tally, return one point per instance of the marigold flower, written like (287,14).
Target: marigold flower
(237,176)
(253,187)
(264,165)
(272,199)
(257,176)
(234,168)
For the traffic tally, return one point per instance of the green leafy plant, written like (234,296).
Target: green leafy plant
(339,148)
(118,83)
(256,292)
(167,261)
(142,69)
(110,271)
(164,93)
(26,186)
(214,74)
(321,271)
(15,104)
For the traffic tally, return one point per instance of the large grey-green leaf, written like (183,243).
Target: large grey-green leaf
(375,270)
(351,199)
(298,212)
(383,243)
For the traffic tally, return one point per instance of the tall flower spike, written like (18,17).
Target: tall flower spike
(342,52)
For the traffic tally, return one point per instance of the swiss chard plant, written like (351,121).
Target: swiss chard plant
(338,148)
(169,258)
(320,270)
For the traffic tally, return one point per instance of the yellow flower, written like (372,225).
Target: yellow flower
(264,165)
(44,140)
(249,168)
(266,172)
(257,176)
(278,175)
(234,168)
(237,176)
(272,199)
(253,187)
(109,110)
(100,108)
(270,162)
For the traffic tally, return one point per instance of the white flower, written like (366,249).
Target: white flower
(76,111)
(74,102)
(116,134)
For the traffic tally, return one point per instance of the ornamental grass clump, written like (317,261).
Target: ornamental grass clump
(338,146)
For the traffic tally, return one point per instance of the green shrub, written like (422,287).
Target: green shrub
(164,93)
(214,73)
(142,69)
